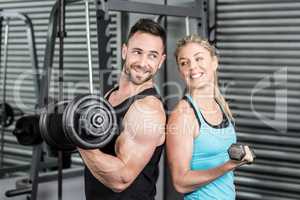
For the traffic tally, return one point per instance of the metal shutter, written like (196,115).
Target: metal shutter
(75,60)
(259,46)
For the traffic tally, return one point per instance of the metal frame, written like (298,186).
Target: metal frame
(154,9)
(1,18)
(56,21)
(37,150)
(46,177)
(3,118)
(212,24)
(31,42)
(203,27)
(198,11)
(103,39)
(48,57)
(44,165)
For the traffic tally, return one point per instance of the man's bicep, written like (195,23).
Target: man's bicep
(135,153)
(142,133)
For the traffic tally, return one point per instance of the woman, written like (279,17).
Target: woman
(200,128)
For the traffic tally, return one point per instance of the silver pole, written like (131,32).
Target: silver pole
(4,90)
(5,57)
(187,25)
(88,42)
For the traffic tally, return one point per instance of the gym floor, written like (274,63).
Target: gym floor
(73,188)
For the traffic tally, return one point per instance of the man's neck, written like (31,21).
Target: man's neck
(128,88)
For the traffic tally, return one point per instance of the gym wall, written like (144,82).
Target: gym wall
(259,45)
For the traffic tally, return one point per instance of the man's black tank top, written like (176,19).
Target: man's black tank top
(144,186)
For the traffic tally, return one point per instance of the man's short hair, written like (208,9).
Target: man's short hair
(146,25)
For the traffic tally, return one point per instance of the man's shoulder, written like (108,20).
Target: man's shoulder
(149,104)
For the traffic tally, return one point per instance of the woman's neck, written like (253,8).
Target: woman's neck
(204,97)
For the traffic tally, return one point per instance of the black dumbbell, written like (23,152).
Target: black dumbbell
(8,118)
(237,152)
(27,130)
(8,114)
(88,122)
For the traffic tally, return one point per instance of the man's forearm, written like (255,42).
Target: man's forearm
(109,170)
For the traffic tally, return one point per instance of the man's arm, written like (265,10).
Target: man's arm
(144,130)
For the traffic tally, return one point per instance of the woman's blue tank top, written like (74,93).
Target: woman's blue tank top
(210,151)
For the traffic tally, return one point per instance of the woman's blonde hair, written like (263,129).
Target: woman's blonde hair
(204,43)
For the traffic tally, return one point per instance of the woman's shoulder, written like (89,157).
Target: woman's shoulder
(182,119)
(182,110)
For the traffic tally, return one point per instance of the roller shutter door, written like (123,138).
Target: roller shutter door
(259,46)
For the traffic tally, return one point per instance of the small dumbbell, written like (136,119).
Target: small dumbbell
(237,152)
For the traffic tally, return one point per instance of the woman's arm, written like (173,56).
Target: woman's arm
(181,127)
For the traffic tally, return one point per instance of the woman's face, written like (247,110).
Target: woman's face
(196,66)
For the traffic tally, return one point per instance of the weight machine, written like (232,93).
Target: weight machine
(8,114)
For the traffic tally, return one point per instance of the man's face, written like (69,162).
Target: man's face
(143,55)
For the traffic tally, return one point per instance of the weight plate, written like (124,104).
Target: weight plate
(89,121)
(51,127)
(9,114)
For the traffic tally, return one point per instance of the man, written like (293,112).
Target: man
(127,168)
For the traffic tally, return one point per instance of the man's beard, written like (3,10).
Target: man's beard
(137,82)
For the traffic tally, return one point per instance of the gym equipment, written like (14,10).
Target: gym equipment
(19,191)
(237,152)
(54,23)
(187,26)
(6,114)
(27,130)
(23,183)
(88,121)
(10,114)
(6,16)
(50,124)
(6,118)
